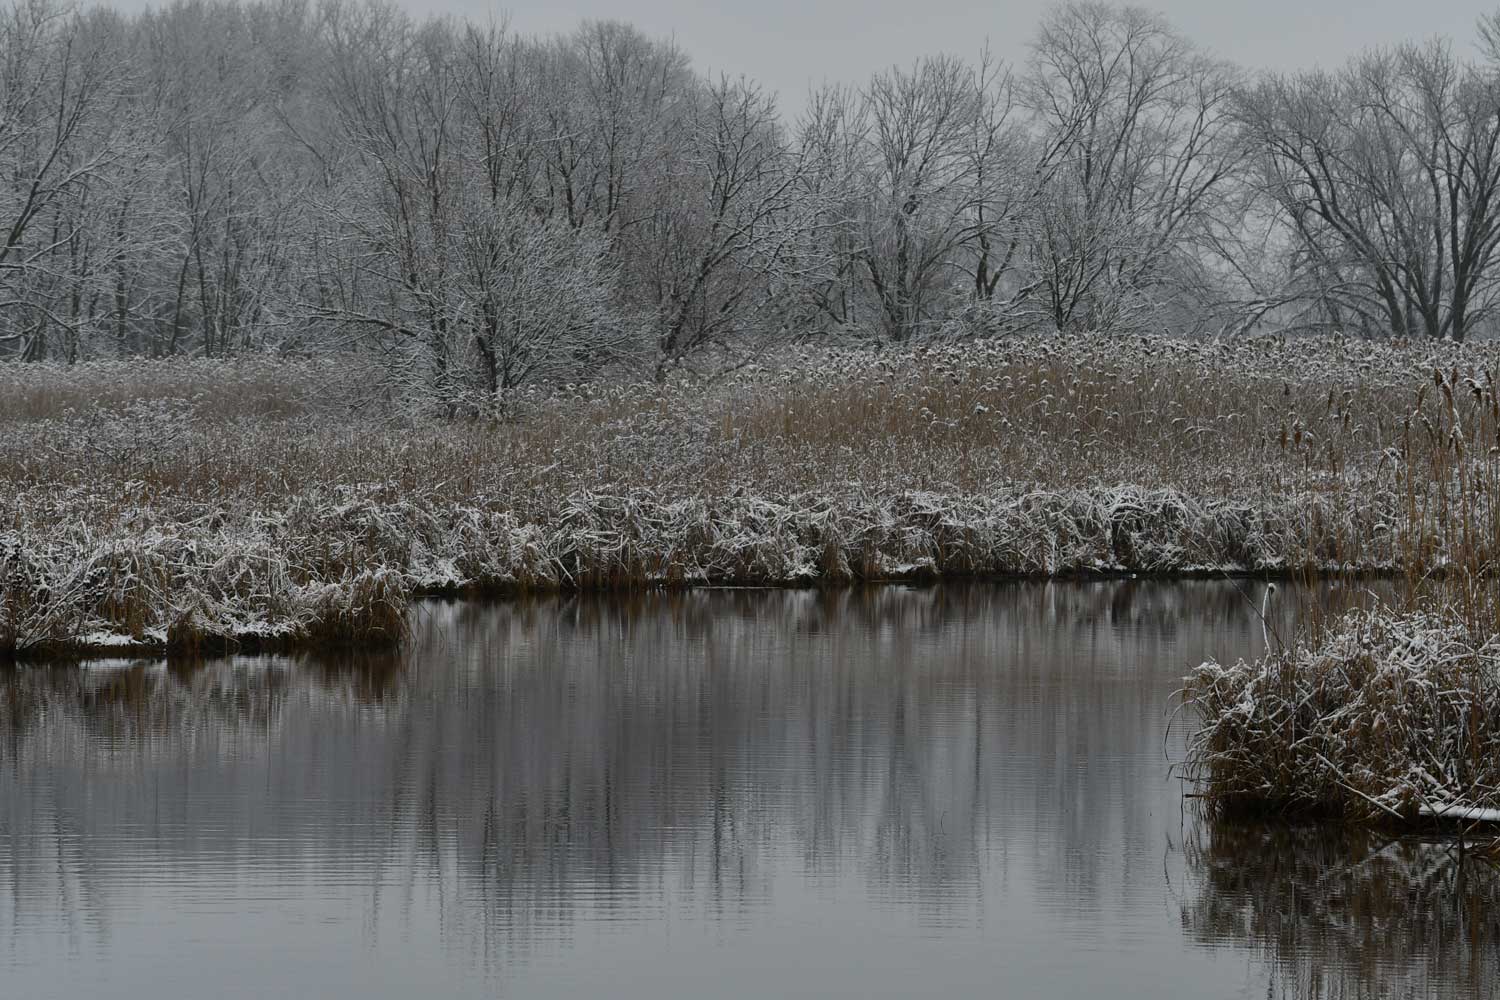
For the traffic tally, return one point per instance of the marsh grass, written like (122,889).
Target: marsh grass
(263,502)
(1379,716)
(1390,711)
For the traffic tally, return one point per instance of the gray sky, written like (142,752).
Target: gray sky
(790,44)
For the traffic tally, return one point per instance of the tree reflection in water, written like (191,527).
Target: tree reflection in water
(985,760)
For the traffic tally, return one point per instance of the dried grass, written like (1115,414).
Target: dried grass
(1385,714)
(258,502)
(1389,713)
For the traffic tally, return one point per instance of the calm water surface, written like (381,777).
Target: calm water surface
(960,791)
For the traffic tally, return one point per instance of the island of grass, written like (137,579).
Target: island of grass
(1386,717)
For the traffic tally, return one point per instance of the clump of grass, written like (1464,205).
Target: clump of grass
(1387,717)
(260,387)
(1052,413)
(362,609)
(175,575)
(187,586)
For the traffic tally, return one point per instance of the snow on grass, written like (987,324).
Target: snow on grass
(256,502)
(1385,716)
(162,578)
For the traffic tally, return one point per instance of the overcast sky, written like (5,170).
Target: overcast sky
(789,44)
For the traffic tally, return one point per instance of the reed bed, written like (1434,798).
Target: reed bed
(268,502)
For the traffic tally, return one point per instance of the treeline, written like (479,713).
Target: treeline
(488,210)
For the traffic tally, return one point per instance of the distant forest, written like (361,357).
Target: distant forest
(487,210)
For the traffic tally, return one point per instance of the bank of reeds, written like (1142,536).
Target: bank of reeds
(163,506)
(338,566)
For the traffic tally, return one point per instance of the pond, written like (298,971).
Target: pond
(957,790)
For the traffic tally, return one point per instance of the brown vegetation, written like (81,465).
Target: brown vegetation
(230,502)
(1385,718)
(1388,713)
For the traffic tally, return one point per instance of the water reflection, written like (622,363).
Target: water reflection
(874,792)
(1341,913)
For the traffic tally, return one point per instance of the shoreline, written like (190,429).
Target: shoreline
(157,645)
(170,587)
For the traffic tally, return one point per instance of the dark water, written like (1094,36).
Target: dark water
(954,792)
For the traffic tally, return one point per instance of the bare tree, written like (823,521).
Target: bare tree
(609,96)
(210,80)
(61,135)
(447,254)
(832,155)
(724,223)
(395,92)
(488,211)
(1142,126)
(534,294)
(1008,170)
(1386,175)
(916,128)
